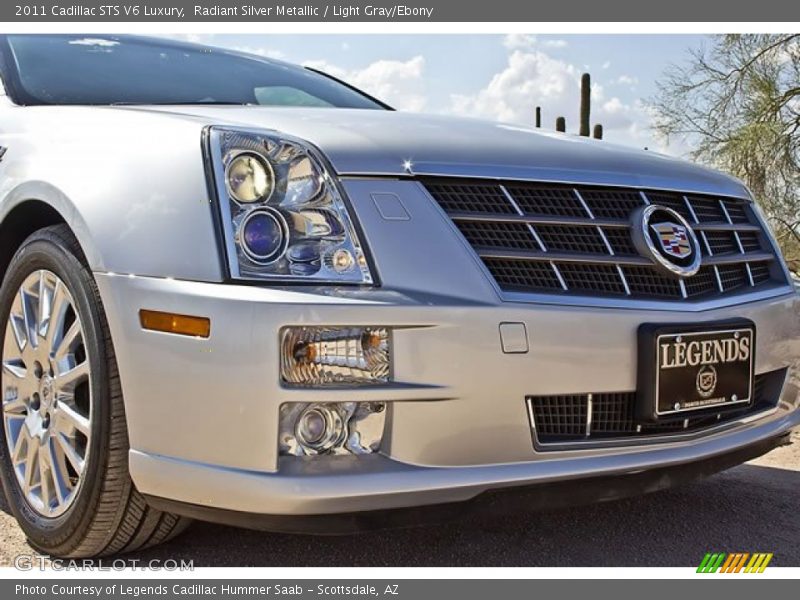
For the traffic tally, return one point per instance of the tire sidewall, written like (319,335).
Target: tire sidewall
(56,535)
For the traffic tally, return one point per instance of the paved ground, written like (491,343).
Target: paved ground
(754,507)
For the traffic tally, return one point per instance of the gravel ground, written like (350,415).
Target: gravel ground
(751,508)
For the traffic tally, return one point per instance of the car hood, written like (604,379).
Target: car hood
(375,142)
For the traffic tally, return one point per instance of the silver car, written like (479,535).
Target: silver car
(242,291)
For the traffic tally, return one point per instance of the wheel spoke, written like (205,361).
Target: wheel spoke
(45,477)
(14,341)
(58,472)
(58,304)
(16,407)
(17,389)
(31,459)
(70,453)
(29,313)
(22,441)
(68,420)
(69,379)
(65,345)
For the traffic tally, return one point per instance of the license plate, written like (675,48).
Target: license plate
(684,370)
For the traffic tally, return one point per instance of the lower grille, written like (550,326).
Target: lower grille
(609,416)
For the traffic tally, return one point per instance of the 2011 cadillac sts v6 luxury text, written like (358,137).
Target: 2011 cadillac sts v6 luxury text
(239,290)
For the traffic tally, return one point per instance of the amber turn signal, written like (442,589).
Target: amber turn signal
(171,323)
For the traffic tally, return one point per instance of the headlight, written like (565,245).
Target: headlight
(249,178)
(282,214)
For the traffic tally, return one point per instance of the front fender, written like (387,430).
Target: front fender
(132,187)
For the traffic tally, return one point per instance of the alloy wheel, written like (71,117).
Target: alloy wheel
(47,397)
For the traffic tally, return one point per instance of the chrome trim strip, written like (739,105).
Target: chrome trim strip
(721,226)
(510,198)
(602,259)
(583,203)
(739,242)
(605,241)
(725,211)
(591,259)
(624,280)
(749,274)
(684,293)
(588,415)
(644,197)
(735,259)
(691,209)
(707,245)
(537,219)
(498,173)
(623,302)
(585,222)
(719,279)
(560,277)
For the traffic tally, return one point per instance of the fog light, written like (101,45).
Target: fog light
(319,428)
(331,428)
(322,356)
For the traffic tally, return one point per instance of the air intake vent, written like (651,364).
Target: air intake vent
(584,418)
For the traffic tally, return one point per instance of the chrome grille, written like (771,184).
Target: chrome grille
(557,239)
(592,417)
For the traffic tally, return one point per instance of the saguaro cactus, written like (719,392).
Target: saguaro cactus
(561,124)
(586,99)
(598,131)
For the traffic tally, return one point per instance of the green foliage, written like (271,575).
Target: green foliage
(737,103)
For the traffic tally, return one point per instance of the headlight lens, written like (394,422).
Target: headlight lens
(282,213)
(263,235)
(249,179)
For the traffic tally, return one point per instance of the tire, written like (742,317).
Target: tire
(86,504)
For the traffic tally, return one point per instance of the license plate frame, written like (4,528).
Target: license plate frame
(664,383)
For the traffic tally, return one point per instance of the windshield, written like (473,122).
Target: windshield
(85,69)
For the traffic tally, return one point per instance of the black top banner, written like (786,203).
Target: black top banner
(42,11)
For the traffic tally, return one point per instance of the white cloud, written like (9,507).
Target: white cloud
(534,78)
(606,64)
(555,43)
(516,41)
(399,83)
(627,80)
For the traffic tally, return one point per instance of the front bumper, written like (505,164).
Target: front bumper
(203,414)
(523,496)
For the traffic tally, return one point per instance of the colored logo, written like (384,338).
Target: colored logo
(674,239)
(664,236)
(738,562)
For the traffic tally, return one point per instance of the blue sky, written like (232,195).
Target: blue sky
(494,76)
